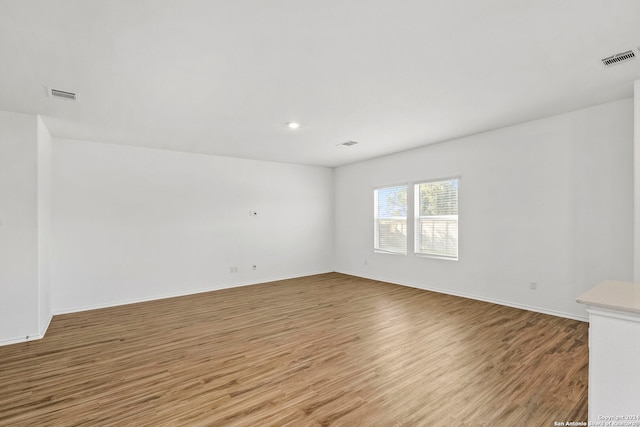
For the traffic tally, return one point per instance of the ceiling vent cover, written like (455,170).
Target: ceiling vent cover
(348,143)
(619,58)
(61,94)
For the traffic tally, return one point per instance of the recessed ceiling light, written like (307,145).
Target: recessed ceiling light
(293,125)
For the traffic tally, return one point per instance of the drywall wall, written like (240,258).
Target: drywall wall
(636,171)
(549,201)
(133,224)
(18,227)
(44,225)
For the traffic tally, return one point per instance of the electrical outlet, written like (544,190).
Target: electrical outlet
(533,285)
(253,213)
(233,269)
(255,267)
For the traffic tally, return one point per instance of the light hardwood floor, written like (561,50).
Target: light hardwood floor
(322,350)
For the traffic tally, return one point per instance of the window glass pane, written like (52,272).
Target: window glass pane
(436,229)
(391,219)
(392,202)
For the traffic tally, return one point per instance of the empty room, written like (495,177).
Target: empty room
(319,213)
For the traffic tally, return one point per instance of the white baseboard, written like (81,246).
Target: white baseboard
(10,341)
(43,331)
(177,294)
(27,338)
(478,298)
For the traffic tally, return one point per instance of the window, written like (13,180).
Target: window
(436,218)
(430,229)
(391,219)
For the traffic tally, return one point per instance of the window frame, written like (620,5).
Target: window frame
(412,217)
(416,218)
(376,249)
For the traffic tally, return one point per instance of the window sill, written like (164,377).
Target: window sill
(436,257)
(378,251)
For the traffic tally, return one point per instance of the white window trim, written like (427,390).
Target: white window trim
(411,218)
(408,223)
(415,218)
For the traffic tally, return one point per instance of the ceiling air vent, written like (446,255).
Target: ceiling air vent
(619,58)
(348,143)
(61,94)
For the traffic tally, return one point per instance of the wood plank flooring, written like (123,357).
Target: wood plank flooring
(322,350)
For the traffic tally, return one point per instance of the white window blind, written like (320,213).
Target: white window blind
(436,218)
(391,219)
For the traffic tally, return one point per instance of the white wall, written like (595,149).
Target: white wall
(636,169)
(133,224)
(549,201)
(18,228)
(44,225)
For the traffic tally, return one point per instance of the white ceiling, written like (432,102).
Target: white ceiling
(223,77)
